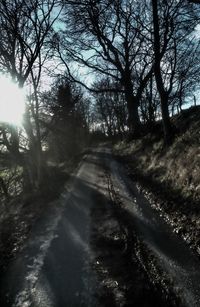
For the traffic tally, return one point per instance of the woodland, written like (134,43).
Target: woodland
(99,152)
(92,70)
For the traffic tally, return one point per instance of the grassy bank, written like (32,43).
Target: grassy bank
(170,176)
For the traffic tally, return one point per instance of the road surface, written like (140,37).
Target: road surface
(54,270)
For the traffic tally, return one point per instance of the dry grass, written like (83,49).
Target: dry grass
(176,167)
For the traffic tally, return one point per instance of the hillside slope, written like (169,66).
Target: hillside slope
(170,177)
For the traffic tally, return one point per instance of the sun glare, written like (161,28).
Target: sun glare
(12,102)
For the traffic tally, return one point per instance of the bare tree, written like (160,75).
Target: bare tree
(111,38)
(110,108)
(150,104)
(26,27)
(187,75)
(173,22)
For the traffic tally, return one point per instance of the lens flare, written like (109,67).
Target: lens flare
(12,102)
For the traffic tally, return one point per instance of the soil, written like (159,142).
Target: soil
(178,211)
(169,176)
(122,262)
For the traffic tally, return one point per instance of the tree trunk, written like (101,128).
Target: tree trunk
(14,140)
(40,164)
(134,124)
(151,115)
(195,101)
(158,76)
(167,128)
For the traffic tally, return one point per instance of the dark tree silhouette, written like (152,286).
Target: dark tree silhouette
(68,128)
(173,23)
(111,39)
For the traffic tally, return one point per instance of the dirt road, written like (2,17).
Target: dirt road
(58,267)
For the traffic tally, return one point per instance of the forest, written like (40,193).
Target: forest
(76,74)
